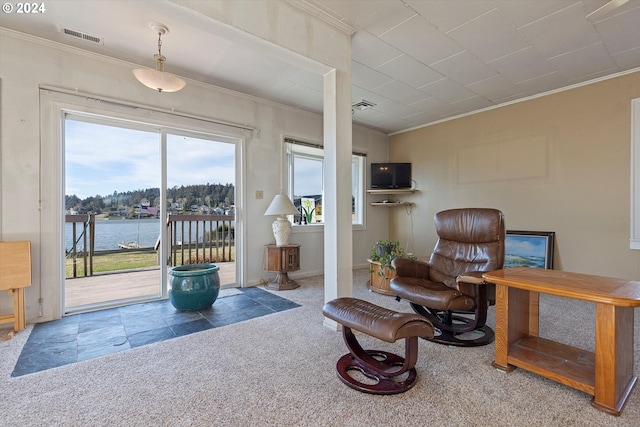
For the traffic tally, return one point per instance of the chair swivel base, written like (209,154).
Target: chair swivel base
(381,384)
(456,330)
(443,336)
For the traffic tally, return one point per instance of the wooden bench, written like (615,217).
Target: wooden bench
(386,370)
(15,275)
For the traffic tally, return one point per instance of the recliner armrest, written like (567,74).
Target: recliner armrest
(407,267)
(473,277)
(468,282)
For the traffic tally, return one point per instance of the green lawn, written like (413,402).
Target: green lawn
(104,262)
(113,261)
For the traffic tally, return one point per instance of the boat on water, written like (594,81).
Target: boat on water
(129,245)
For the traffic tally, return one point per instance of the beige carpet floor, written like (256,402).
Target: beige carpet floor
(279,370)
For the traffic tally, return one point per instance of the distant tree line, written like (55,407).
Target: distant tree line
(185,196)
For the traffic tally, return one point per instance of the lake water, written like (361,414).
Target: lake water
(111,232)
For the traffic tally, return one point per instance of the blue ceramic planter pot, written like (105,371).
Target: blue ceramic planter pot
(194,286)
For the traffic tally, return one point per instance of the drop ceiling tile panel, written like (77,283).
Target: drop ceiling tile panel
(543,84)
(368,114)
(593,5)
(436,107)
(472,104)
(562,32)
(379,16)
(420,119)
(583,64)
(522,65)
(395,109)
(367,77)
(400,92)
(447,15)
(391,124)
(464,68)
(496,88)
(370,118)
(445,114)
(489,37)
(628,60)
(358,94)
(523,12)
(511,98)
(447,90)
(371,51)
(615,31)
(421,40)
(376,16)
(407,70)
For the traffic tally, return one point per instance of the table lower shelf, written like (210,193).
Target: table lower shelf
(565,364)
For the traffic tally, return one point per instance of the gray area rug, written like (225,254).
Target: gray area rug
(279,370)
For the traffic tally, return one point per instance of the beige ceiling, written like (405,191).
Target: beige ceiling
(418,61)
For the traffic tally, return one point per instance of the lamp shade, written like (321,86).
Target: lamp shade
(159,80)
(281,206)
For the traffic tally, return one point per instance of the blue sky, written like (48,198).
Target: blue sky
(308,177)
(101,159)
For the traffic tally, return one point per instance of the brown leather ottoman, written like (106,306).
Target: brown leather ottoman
(386,370)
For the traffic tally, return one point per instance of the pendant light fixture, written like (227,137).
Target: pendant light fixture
(158,79)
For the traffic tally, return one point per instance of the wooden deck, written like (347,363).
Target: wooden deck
(101,288)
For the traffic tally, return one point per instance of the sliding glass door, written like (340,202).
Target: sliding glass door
(201,202)
(136,194)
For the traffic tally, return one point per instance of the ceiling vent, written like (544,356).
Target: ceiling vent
(363,105)
(81,35)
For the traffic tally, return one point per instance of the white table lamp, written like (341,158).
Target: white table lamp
(281,206)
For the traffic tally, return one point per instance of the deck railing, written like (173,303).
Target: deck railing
(83,228)
(201,238)
(191,239)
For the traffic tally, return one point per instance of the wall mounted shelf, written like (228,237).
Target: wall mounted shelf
(391,191)
(391,204)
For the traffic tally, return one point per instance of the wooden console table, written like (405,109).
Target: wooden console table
(282,260)
(606,374)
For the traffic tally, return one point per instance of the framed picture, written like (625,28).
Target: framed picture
(529,249)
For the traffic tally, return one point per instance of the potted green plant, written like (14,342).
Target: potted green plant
(385,251)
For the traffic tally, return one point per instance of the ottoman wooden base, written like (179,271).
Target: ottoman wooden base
(388,373)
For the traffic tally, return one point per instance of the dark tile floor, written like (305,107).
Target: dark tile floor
(85,336)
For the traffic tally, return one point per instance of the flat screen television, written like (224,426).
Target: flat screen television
(390,175)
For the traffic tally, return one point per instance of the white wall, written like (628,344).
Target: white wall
(26,63)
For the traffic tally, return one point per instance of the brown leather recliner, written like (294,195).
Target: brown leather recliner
(449,289)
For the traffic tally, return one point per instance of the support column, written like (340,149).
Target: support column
(338,231)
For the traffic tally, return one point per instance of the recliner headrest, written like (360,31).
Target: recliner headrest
(477,225)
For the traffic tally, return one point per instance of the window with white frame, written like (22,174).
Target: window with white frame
(305,169)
